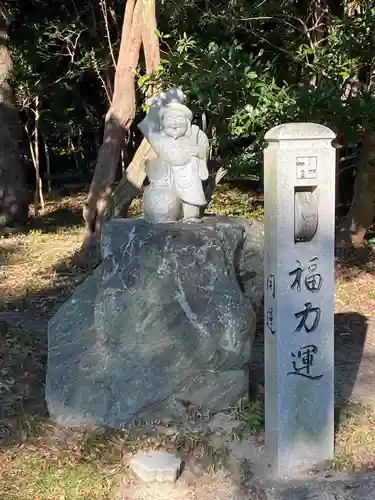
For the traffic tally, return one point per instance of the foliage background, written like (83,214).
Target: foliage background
(244,66)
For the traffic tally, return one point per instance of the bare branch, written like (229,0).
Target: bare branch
(5,14)
(97,70)
(281,20)
(260,18)
(280,49)
(103,8)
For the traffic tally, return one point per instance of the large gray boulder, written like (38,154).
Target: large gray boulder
(167,317)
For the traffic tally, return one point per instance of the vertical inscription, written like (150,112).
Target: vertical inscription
(271,285)
(309,317)
(270,320)
(271,292)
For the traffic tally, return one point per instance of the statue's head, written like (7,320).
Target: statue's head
(175,119)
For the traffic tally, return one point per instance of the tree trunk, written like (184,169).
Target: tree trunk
(48,164)
(150,39)
(39,198)
(119,119)
(13,188)
(361,214)
(130,185)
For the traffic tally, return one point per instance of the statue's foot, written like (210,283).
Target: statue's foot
(190,212)
(192,219)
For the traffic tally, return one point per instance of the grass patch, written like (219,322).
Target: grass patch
(36,267)
(32,474)
(22,363)
(39,460)
(60,463)
(246,470)
(355,439)
(252,413)
(197,443)
(36,264)
(355,291)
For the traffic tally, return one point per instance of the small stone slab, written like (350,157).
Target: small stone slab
(156,466)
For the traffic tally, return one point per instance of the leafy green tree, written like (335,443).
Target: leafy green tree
(245,67)
(250,66)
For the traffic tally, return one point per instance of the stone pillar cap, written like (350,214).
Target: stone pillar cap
(299,131)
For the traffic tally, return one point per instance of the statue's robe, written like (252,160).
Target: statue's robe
(188,170)
(188,178)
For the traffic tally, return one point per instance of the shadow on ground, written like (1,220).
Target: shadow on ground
(342,486)
(8,254)
(61,217)
(41,304)
(353,267)
(63,209)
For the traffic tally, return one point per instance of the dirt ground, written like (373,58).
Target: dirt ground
(38,460)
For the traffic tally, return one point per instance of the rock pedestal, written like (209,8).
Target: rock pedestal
(167,316)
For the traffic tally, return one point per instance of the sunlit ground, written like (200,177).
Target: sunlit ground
(41,461)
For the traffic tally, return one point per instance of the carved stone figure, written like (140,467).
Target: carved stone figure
(180,165)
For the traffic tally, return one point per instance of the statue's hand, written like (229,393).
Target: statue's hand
(194,150)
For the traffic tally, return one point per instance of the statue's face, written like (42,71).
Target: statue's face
(175,124)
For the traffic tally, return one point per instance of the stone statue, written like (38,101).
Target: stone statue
(180,165)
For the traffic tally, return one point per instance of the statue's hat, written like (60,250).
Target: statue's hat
(176,106)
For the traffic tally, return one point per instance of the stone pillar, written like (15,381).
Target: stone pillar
(299,215)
